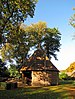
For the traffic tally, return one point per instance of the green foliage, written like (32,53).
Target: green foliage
(45,38)
(52,42)
(63,75)
(21,43)
(7,52)
(68,82)
(37,30)
(12,12)
(3,85)
(36,35)
(14,71)
(18,47)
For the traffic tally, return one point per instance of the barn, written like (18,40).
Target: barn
(39,70)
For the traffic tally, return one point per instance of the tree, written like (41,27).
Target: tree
(37,32)
(36,35)
(12,12)
(52,42)
(20,44)
(18,47)
(45,38)
(22,41)
(3,69)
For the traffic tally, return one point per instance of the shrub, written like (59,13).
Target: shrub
(63,75)
(3,85)
(8,85)
(14,71)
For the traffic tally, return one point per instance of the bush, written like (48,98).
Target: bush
(8,85)
(3,85)
(14,71)
(63,75)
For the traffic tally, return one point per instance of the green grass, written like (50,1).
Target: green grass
(50,92)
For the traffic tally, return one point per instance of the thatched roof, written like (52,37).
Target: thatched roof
(39,61)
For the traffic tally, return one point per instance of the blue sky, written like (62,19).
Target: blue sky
(57,13)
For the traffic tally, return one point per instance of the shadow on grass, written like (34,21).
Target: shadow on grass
(63,82)
(50,92)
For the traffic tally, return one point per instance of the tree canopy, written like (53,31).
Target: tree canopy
(46,38)
(36,35)
(12,12)
(52,42)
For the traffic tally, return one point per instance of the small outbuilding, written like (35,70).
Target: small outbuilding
(39,70)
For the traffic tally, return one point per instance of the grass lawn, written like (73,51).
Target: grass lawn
(65,90)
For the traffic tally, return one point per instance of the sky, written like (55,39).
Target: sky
(57,13)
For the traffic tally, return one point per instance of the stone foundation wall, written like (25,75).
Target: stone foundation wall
(44,78)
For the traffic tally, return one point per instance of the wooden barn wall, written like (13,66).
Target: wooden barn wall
(44,78)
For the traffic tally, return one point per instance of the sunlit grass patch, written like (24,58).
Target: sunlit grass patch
(50,92)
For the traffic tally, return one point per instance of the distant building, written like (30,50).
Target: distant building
(68,73)
(39,70)
(73,74)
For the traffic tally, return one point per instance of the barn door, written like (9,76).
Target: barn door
(28,76)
